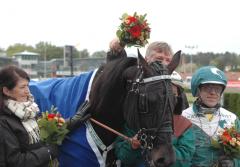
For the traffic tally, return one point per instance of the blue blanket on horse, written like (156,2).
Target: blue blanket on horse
(67,94)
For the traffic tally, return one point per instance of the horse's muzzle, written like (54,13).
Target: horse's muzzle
(164,156)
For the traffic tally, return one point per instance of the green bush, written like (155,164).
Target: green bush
(232,102)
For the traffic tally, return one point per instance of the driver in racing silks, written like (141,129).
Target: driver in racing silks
(207,85)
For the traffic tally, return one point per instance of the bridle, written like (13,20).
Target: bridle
(147,136)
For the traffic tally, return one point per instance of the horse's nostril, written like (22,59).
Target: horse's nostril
(160,161)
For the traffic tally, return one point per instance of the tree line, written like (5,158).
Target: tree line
(49,50)
(224,61)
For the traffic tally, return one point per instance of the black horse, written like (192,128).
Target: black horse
(129,91)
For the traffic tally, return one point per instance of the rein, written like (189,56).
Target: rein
(110,129)
(131,140)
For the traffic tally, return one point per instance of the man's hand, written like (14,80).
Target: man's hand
(115,45)
(116,50)
(135,143)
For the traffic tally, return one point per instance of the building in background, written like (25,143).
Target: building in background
(37,69)
(57,68)
(29,62)
(5,60)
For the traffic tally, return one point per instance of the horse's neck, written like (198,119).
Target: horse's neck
(105,135)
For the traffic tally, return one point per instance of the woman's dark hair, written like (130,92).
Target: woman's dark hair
(9,76)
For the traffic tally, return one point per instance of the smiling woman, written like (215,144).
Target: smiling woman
(20,92)
(20,141)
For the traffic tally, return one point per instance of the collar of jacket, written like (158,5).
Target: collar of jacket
(6,111)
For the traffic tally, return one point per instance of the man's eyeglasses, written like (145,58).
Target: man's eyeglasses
(212,88)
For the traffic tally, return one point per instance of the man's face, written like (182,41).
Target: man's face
(210,94)
(159,56)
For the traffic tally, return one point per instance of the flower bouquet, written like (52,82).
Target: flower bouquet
(134,30)
(53,129)
(228,141)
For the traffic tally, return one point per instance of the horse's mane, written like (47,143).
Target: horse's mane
(108,90)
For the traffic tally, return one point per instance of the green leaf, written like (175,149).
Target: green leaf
(118,33)
(124,16)
(43,134)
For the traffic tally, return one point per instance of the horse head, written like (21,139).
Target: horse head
(131,91)
(148,109)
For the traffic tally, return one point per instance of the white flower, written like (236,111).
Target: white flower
(220,132)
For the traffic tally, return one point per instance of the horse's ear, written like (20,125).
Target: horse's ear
(142,61)
(175,62)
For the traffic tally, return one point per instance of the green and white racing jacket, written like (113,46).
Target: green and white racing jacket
(205,154)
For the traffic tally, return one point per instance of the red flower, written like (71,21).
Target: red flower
(228,142)
(51,116)
(135,31)
(131,20)
(226,136)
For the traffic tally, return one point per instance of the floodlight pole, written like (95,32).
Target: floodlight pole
(191,47)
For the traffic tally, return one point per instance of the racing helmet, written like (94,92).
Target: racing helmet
(176,79)
(207,74)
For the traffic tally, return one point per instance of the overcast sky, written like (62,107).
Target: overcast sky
(211,25)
